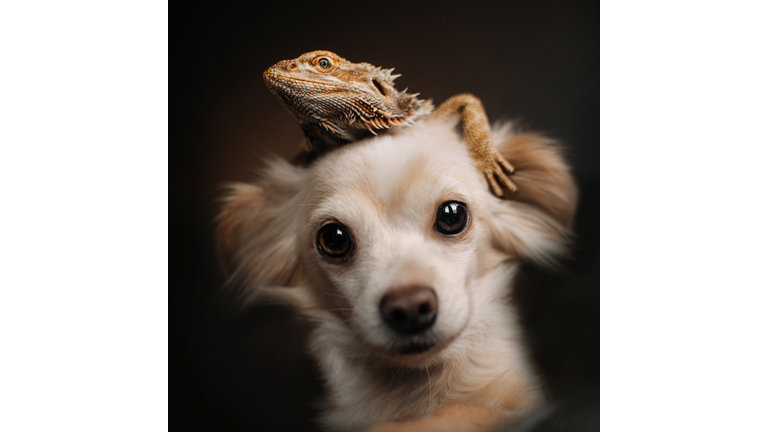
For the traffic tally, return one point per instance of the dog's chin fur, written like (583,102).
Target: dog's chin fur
(386,191)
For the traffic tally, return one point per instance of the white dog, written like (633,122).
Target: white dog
(403,262)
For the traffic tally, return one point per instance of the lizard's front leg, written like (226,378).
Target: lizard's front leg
(477,133)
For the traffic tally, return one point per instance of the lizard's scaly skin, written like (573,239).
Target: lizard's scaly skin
(337,101)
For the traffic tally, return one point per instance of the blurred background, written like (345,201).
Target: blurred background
(536,62)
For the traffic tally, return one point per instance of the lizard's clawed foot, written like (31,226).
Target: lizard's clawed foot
(477,133)
(494,166)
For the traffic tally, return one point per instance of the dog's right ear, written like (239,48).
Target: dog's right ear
(534,222)
(258,228)
(541,173)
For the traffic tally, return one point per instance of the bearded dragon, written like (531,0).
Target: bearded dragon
(337,102)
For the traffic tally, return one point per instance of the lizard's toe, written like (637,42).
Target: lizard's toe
(491,180)
(505,165)
(503,169)
(494,171)
(508,182)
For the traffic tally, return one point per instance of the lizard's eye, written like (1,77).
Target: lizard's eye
(324,63)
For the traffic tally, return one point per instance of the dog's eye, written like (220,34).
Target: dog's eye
(451,218)
(334,240)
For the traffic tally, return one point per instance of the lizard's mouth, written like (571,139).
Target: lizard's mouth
(275,77)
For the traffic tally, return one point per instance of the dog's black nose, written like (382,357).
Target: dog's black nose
(409,309)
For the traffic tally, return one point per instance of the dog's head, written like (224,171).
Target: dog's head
(393,236)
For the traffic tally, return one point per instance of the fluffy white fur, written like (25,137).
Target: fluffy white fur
(387,190)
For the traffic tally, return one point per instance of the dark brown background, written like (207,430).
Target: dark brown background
(533,61)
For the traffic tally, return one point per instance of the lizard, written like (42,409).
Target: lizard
(337,102)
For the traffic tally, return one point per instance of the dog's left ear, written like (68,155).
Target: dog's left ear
(258,227)
(535,221)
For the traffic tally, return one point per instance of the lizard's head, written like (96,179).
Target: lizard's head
(325,90)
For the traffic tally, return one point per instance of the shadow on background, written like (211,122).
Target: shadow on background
(533,61)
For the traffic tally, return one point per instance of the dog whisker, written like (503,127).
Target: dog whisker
(336,295)
(392,379)
(429,380)
(340,309)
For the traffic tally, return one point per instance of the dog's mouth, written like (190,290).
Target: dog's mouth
(414,348)
(410,348)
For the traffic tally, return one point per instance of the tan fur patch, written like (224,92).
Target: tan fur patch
(453,418)
(417,171)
